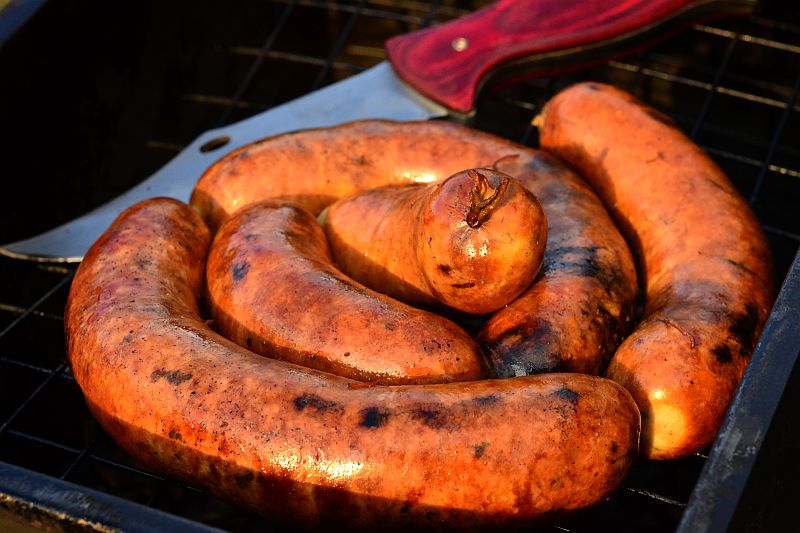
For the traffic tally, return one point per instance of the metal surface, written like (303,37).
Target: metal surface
(376,93)
(52,504)
(15,13)
(714,499)
(730,84)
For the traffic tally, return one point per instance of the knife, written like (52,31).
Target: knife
(430,73)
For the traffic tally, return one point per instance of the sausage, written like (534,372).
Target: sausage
(302,445)
(272,287)
(582,304)
(705,262)
(473,242)
(579,307)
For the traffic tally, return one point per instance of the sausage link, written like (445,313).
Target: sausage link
(273,288)
(581,306)
(473,242)
(704,259)
(308,447)
(574,315)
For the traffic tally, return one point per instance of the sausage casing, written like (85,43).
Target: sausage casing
(705,262)
(472,242)
(273,288)
(310,447)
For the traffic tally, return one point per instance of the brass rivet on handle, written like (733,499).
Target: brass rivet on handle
(460,44)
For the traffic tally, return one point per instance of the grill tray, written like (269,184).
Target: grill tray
(97,95)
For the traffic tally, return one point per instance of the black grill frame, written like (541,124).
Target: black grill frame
(669,495)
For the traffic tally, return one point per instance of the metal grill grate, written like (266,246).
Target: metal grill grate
(733,85)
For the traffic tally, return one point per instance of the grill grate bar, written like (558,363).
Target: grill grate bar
(42,440)
(337,46)
(769,43)
(298,58)
(164,145)
(18,310)
(750,161)
(782,233)
(655,496)
(36,304)
(223,101)
(378,13)
(780,89)
(67,471)
(674,78)
(723,66)
(42,385)
(23,364)
(256,65)
(128,468)
(448,11)
(790,104)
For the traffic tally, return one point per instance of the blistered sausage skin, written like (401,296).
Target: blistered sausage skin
(581,304)
(312,448)
(705,260)
(472,242)
(273,288)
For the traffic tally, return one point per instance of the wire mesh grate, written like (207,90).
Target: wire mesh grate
(732,84)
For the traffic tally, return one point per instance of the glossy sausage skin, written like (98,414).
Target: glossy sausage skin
(273,288)
(581,304)
(473,242)
(705,261)
(309,447)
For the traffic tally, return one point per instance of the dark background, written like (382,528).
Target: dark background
(95,96)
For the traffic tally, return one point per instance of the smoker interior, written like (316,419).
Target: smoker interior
(96,95)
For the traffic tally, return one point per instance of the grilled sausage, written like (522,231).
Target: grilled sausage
(704,259)
(573,316)
(310,447)
(473,242)
(273,288)
(582,304)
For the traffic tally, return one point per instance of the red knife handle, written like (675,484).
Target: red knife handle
(450,62)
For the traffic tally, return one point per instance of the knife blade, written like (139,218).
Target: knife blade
(431,73)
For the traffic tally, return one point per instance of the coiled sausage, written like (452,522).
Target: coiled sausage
(580,306)
(310,447)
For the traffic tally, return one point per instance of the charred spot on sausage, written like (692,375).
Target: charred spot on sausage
(445,269)
(430,416)
(467,285)
(489,399)
(174,377)
(240,270)
(722,353)
(743,327)
(569,395)
(587,263)
(173,434)
(479,449)
(524,351)
(315,403)
(373,417)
